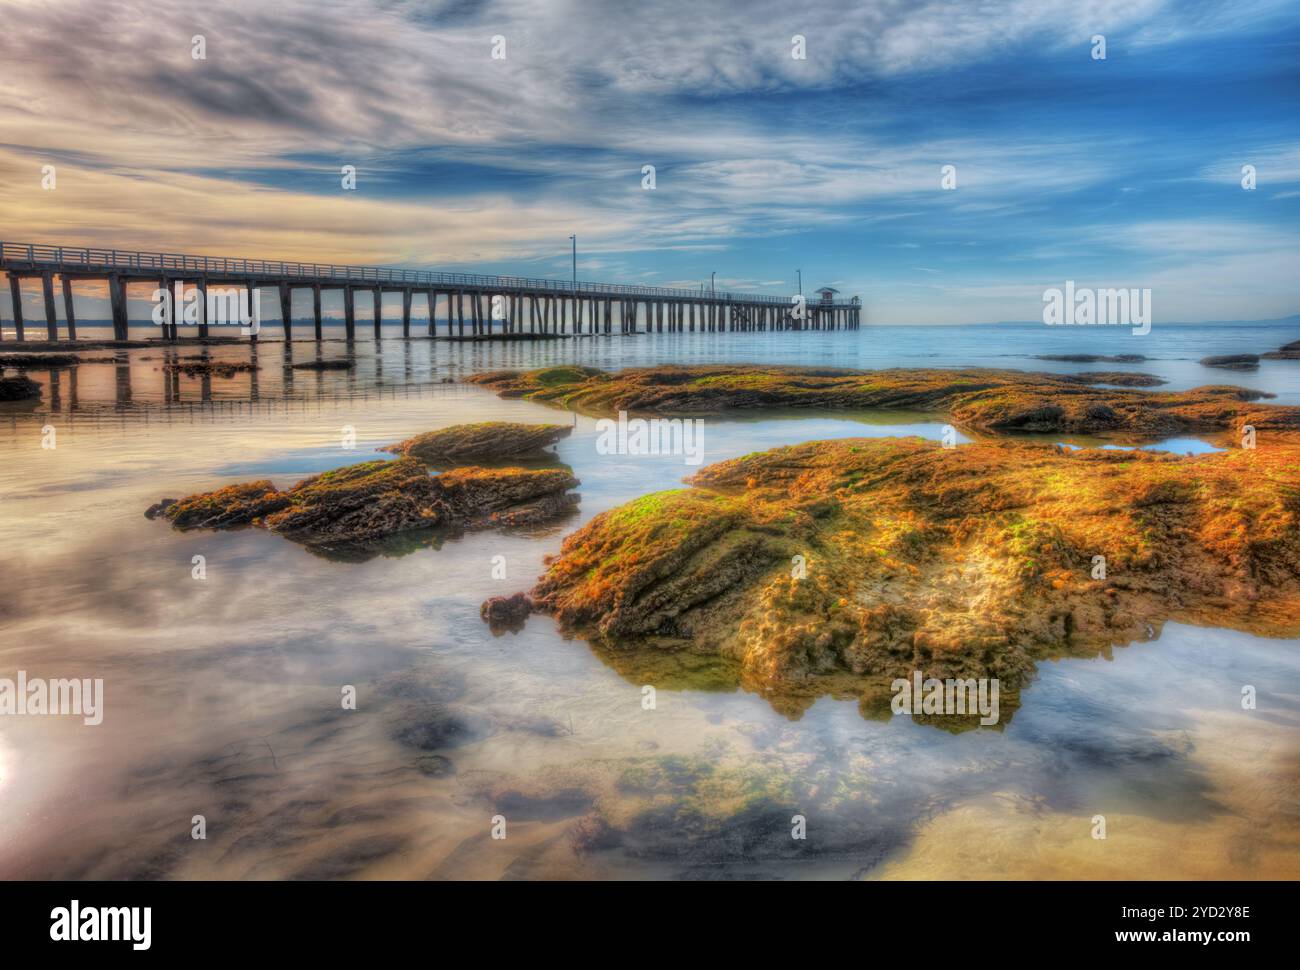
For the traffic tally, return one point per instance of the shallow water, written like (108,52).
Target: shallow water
(222,695)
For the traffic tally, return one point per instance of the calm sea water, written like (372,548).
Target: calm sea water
(222,694)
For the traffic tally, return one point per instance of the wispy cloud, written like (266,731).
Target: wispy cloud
(764,162)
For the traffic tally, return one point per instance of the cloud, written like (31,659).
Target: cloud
(466,159)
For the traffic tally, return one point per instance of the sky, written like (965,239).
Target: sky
(1117,172)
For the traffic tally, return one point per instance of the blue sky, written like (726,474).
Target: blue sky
(1117,172)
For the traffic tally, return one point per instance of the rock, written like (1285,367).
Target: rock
(18,389)
(37,361)
(333,364)
(1117,377)
(1232,361)
(507,613)
(378,499)
(973,561)
(980,400)
(162,505)
(433,727)
(486,441)
(226,508)
(1093,358)
(199,367)
(1289,351)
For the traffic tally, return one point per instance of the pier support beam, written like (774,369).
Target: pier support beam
(379,311)
(286,310)
(51,314)
(169,307)
(407,294)
(315,309)
(67,308)
(254,313)
(349,314)
(16,292)
(117,303)
(202,286)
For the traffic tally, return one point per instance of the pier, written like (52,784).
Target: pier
(476,306)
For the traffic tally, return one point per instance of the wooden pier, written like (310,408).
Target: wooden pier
(532,306)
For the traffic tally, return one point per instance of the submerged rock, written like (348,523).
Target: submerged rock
(485,441)
(1232,361)
(333,364)
(202,366)
(1117,377)
(158,508)
(983,400)
(875,558)
(18,389)
(39,361)
(377,499)
(506,613)
(1093,358)
(1289,351)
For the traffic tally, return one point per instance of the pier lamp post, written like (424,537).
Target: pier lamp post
(800,272)
(574,239)
(713,289)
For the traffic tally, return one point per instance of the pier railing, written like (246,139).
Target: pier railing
(90,259)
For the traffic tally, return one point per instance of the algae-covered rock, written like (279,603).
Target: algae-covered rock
(1289,351)
(205,366)
(484,441)
(1232,361)
(1093,358)
(1117,377)
(507,613)
(43,360)
(998,401)
(879,557)
(333,363)
(18,389)
(379,499)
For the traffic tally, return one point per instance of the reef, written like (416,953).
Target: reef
(485,441)
(506,613)
(336,363)
(991,401)
(1289,351)
(36,361)
(1120,378)
(18,389)
(1093,358)
(379,499)
(837,566)
(1232,361)
(203,366)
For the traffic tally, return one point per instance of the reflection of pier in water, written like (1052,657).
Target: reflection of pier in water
(164,390)
(120,379)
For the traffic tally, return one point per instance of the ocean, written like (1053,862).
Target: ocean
(221,693)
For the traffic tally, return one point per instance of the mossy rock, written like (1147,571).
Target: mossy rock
(484,441)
